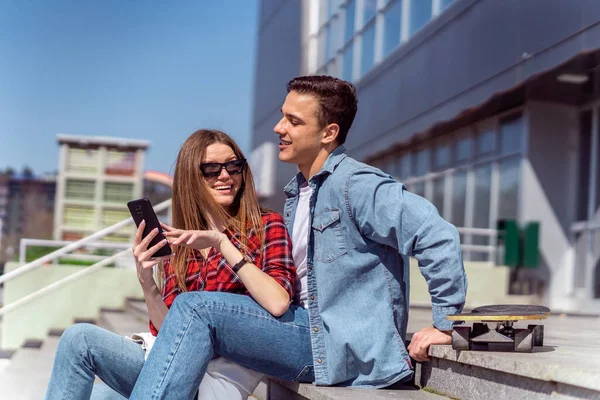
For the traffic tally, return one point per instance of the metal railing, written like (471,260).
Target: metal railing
(64,250)
(24,243)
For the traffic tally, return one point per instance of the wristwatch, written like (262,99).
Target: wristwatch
(239,265)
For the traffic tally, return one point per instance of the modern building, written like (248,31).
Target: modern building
(26,210)
(487,108)
(97,176)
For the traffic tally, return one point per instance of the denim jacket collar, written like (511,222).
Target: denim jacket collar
(336,156)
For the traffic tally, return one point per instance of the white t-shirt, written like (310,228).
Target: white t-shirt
(300,243)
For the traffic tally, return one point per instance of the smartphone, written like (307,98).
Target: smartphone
(141,209)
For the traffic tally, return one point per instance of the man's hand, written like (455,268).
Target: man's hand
(421,340)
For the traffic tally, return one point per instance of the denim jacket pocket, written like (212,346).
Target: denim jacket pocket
(328,236)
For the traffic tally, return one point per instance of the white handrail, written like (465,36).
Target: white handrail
(75,245)
(53,286)
(47,243)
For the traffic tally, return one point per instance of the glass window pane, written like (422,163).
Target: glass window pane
(333,42)
(349,20)
(403,166)
(438,194)
(115,192)
(511,133)
(509,188)
(481,211)
(459,198)
(486,143)
(463,149)
(347,62)
(369,10)
(420,14)
(421,163)
(322,47)
(392,21)
(332,7)
(80,190)
(483,178)
(445,3)
(442,156)
(368,50)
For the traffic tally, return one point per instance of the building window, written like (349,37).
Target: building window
(438,193)
(392,22)
(508,196)
(347,61)
(462,150)
(459,198)
(441,157)
(349,16)
(486,143)
(369,10)
(481,209)
(420,14)
(421,162)
(368,49)
(511,135)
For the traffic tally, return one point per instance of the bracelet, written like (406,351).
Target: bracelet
(239,265)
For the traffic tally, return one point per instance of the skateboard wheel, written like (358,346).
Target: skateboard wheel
(523,340)
(538,334)
(461,338)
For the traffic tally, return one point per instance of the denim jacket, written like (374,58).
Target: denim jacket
(364,227)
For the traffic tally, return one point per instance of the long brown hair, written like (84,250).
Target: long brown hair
(192,201)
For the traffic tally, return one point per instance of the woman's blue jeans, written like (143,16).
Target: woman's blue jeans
(198,326)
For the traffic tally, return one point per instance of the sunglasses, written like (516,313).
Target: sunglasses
(211,170)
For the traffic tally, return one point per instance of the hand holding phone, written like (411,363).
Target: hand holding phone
(142,210)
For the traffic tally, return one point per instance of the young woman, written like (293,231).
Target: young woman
(222,241)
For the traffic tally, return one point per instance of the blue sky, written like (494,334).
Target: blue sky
(152,70)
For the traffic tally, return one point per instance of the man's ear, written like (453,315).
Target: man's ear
(331,133)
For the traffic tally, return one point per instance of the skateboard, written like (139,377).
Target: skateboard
(504,337)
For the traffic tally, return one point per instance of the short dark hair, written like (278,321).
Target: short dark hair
(337,100)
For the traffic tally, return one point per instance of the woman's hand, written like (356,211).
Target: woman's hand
(197,240)
(143,255)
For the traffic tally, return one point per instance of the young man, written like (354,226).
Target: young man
(353,229)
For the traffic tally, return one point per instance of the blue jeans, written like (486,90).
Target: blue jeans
(85,351)
(200,325)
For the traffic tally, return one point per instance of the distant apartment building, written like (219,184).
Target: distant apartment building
(97,176)
(26,209)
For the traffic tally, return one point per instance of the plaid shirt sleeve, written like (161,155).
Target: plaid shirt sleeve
(169,291)
(277,259)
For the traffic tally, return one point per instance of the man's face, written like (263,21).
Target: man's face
(299,130)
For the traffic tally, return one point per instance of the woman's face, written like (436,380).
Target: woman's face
(225,186)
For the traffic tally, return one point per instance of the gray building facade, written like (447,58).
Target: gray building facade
(487,108)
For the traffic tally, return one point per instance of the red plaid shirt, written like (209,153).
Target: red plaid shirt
(215,274)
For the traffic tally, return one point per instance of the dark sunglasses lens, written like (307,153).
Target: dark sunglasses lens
(235,167)
(211,169)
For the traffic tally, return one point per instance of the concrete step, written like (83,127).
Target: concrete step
(280,390)
(122,322)
(137,307)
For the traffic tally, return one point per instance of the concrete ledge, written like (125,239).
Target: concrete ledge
(551,364)
(468,382)
(281,390)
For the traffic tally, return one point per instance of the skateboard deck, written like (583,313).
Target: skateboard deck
(505,337)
